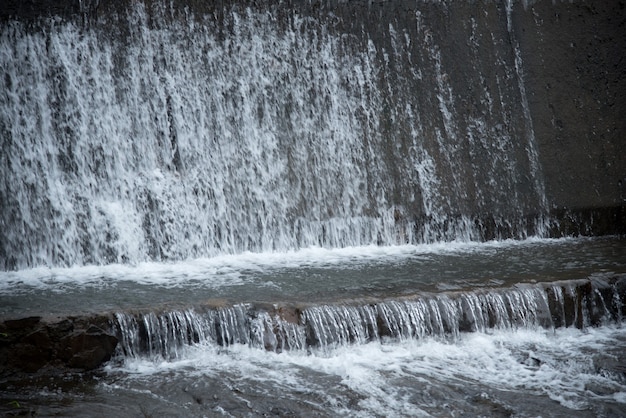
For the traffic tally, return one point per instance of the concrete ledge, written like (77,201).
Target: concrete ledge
(37,345)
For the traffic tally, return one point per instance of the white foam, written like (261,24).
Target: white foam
(389,377)
(228,270)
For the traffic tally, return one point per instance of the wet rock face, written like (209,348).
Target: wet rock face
(30,344)
(87,349)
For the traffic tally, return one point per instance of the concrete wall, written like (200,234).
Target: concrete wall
(572,62)
(574,57)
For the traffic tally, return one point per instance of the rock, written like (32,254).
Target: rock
(22,324)
(28,357)
(30,344)
(88,349)
(39,338)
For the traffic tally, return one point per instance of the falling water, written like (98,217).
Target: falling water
(573,303)
(176,139)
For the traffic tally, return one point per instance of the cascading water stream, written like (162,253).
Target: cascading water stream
(325,327)
(194,137)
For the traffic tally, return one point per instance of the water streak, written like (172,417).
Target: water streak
(170,139)
(326,327)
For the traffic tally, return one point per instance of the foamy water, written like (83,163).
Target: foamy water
(311,274)
(565,370)
(225,270)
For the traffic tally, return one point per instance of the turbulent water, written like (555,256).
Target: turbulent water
(524,373)
(521,373)
(283,217)
(530,328)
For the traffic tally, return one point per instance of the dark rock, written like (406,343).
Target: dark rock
(21,324)
(64,326)
(289,314)
(87,349)
(30,344)
(28,357)
(39,338)
(281,412)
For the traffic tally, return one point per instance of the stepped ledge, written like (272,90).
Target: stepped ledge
(85,343)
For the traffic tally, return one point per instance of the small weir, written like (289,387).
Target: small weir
(580,303)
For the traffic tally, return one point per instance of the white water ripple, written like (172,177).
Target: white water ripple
(568,367)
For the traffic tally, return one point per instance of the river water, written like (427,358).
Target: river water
(309,275)
(524,366)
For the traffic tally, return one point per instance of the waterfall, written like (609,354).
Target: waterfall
(581,303)
(260,130)
(165,335)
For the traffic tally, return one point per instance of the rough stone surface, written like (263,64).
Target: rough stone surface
(30,344)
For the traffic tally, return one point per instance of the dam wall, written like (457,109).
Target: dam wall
(154,130)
